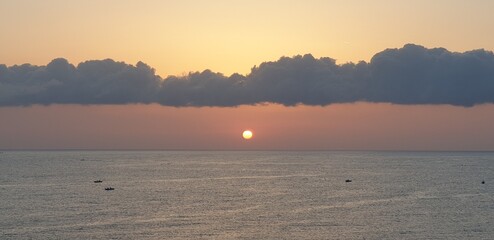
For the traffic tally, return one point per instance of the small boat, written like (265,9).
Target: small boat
(98,181)
(348,180)
(483,182)
(109,189)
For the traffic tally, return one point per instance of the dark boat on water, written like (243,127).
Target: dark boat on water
(98,181)
(109,188)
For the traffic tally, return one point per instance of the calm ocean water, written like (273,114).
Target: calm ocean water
(246,195)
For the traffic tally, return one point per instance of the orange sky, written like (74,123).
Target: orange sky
(178,36)
(360,126)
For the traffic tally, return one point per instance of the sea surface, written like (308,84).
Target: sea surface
(246,195)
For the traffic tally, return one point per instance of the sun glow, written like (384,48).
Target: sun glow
(247,134)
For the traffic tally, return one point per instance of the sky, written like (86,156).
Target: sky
(302,75)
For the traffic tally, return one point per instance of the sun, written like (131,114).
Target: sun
(247,134)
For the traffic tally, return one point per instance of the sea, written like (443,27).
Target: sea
(246,195)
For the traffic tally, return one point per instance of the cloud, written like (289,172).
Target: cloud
(91,82)
(204,89)
(409,75)
(416,75)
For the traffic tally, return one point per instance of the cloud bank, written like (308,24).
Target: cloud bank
(409,75)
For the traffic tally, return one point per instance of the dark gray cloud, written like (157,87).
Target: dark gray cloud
(91,82)
(416,75)
(409,75)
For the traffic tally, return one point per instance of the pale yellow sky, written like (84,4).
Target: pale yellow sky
(228,36)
